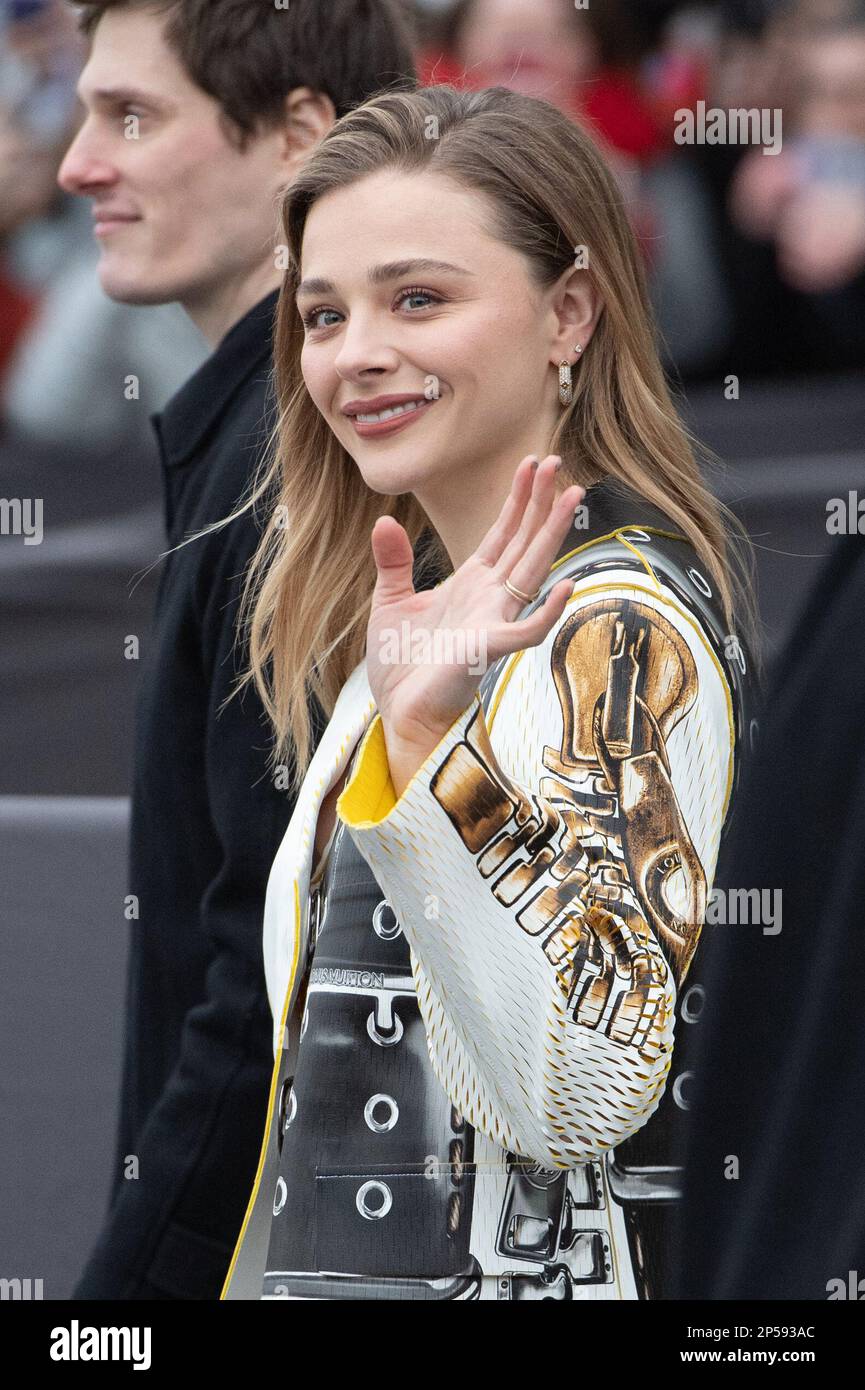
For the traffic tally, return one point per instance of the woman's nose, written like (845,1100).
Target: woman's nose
(366,346)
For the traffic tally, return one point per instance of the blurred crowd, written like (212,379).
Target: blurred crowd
(756,258)
(60,336)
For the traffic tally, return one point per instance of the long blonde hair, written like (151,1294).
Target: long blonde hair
(306,599)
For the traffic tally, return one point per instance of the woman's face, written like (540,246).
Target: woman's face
(406,294)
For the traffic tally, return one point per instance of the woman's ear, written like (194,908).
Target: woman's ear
(575,306)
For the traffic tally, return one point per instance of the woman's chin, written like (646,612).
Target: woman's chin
(395,476)
(393,483)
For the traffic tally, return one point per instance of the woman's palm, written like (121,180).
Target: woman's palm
(427,651)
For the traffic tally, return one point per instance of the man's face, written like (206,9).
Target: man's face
(180,213)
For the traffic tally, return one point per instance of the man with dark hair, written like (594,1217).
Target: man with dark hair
(197,113)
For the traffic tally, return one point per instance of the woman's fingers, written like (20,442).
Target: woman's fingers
(533,566)
(531,631)
(507,522)
(535,514)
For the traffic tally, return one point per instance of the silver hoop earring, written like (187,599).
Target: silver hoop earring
(566,383)
(566,379)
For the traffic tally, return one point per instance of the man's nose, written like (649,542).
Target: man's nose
(83,167)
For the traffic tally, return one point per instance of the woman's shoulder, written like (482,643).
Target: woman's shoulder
(622,542)
(645,628)
(612,503)
(614,515)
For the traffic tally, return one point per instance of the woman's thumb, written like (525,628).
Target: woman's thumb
(394,559)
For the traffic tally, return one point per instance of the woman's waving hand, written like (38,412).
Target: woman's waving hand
(471,611)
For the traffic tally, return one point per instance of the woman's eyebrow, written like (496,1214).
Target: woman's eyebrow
(392,270)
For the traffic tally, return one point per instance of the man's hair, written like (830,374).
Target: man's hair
(249,54)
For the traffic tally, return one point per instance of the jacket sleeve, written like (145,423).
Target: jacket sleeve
(171,1232)
(549,864)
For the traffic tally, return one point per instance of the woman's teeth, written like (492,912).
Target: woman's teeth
(390,412)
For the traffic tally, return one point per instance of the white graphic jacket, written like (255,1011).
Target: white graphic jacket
(549,865)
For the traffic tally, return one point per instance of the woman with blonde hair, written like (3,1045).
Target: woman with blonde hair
(487,902)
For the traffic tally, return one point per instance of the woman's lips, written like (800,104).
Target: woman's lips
(375,429)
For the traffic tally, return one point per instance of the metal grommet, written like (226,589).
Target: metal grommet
(456,1155)
(455,1208)
(699,582)
(381,1126)
(281,1195)
(689,1013)
(373,1213)
(677,1090)
(382,926)
(286,1111)
(384,1039)
(734,653)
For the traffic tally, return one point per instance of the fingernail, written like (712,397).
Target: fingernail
(535,463)
(558,465)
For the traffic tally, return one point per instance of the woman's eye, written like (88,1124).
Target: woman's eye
(309,319)
(418,294)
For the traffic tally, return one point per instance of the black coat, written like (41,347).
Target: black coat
(206,824)
(773,1204)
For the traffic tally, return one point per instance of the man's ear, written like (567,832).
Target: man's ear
(309,115)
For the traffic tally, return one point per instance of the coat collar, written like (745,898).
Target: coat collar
(284,933)
(193,412)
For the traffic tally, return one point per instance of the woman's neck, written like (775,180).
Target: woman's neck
(462,510)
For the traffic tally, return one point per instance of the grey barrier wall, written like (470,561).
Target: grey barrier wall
(63,950)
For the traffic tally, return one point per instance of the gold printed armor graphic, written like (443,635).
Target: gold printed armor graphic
(625,678)
(594,861)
